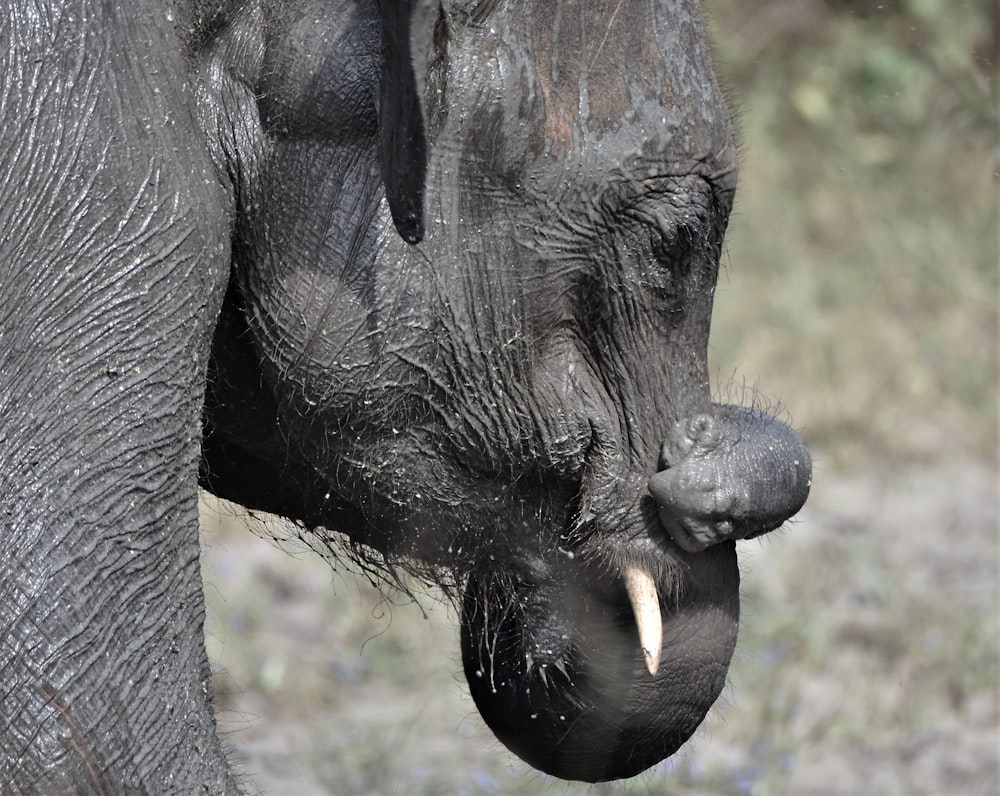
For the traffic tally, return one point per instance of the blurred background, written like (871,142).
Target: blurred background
(861,289)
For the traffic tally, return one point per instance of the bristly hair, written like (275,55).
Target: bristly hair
(738,391)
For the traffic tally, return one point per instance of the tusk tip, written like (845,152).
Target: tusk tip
(652,661)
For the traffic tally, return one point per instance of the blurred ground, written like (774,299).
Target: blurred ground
(861,286)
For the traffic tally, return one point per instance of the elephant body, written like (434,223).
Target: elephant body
(434,276)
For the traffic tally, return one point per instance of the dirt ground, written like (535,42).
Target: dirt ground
(868,661)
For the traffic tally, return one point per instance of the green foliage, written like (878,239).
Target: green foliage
(897,68)
(863,248)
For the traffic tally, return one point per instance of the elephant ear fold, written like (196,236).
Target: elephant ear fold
(407,39)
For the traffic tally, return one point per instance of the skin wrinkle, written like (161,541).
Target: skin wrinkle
(95,652)
(34,208)
(69,202)
(41,332)
(77,741)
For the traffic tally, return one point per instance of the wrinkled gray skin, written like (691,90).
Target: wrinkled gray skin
(435,277)
(732,474)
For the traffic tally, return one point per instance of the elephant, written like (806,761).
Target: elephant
(430,277)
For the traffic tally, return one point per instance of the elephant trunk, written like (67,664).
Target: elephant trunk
(733,474)
(550,658)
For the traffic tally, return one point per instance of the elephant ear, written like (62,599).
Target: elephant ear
(407,39)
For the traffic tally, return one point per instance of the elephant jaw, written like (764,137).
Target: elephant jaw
(554,668)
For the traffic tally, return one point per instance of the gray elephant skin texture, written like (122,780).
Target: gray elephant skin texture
(432,278)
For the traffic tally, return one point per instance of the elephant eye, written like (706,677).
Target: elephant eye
(667,234)
(660,246)
(665,247)
(665,275)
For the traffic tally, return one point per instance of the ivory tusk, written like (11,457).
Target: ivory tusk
(646,607)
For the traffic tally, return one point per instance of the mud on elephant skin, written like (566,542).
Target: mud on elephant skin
(432,277)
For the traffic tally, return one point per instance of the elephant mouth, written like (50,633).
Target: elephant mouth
(551,656)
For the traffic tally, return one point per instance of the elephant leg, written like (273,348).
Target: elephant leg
(113,254)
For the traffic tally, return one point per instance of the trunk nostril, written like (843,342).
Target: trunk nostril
(696,436)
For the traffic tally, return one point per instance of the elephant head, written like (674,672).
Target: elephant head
(479,366)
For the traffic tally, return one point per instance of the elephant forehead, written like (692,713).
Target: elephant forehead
(616,81)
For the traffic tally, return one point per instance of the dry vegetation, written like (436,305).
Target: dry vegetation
(861,288)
